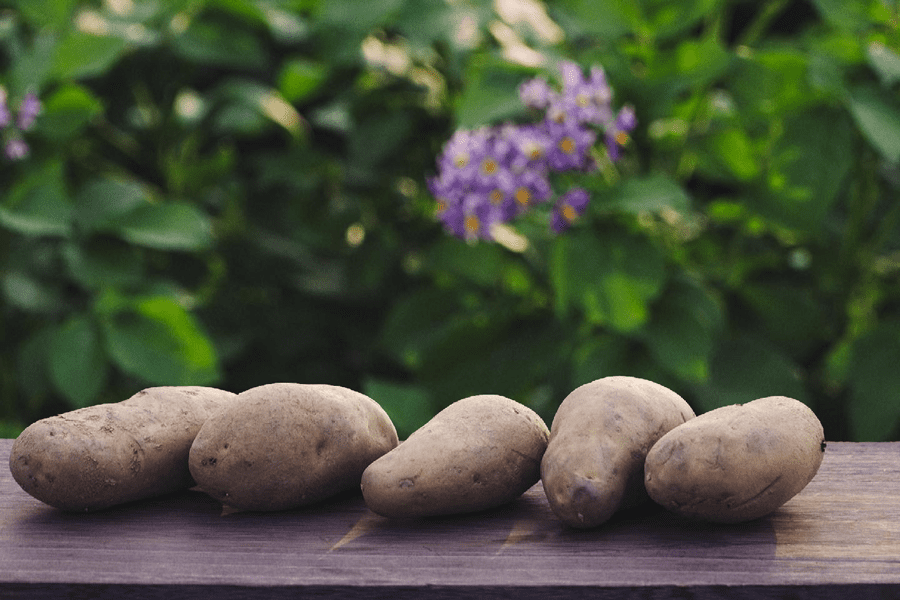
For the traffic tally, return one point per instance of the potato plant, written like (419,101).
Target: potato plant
(236,193)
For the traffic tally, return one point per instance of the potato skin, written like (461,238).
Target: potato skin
(600,435)
(479,452)
(736,463)
(99,456)
(285,445)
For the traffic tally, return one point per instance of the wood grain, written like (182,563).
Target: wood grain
(839,538)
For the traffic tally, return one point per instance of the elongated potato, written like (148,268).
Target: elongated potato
(284,445)
(99,456)
(736,463)
(479,452)
(600,435)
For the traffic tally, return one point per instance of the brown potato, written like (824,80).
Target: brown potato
(736,463)
(285,445)
(594,464)
(477,453)
(99,456)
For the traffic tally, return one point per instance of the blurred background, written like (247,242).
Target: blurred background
(232,193)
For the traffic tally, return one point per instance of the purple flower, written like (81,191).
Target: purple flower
(493,163)
(491,175)
(5,115)
(532,145)
(502,196)
(571,143)
(462,153)
(571,74)
(585,100)
(616,135)
(602,91)
(478,216)
(569,207)
(28,111)
(447,192)
(532,187)
(16,149)
(536,93)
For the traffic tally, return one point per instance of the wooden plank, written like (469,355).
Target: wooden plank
(840,536)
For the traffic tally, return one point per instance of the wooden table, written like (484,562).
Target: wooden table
(839,538)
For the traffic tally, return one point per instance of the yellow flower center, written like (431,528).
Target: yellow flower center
(582,100)
(523,196)
(496,197)
(567,145)
(461,160)
(489,166)
(441,206)
(621,138)
(472,224)
(569,213)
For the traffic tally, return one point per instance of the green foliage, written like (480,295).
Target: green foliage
(233,193)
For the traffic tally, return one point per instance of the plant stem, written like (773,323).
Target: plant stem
(761,22)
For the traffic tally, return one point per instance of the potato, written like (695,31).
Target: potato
(736,463)
(594,464)
(479,452)
(99,456)
(285,445)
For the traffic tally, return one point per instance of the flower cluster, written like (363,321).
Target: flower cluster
(15,146)
(491,175)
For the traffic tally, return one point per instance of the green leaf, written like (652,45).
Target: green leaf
(683,329)
(771,82)
(38,204)
(731,148)
(491,92)
(425,21)
(875,383)
(101,203)
(604,19)
(747,368)
(808,167)
(54,14)
(844,14)
(792,315)
(246,10)
(157,340)
(483,264)
(102,261)
(602,356)
(877,114)
(67,111)
(32,67)
(31,361)
(249,107)
(77,361)
(494,355)
(409,406)
(653,193)
(885,61)
(702,61)
(29,293)
(378,137)
(359,17)
(82,54)
(170,226)
(213,44)
(672,18)
(611,276)
(417,321)
(300,78)
(10,430)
